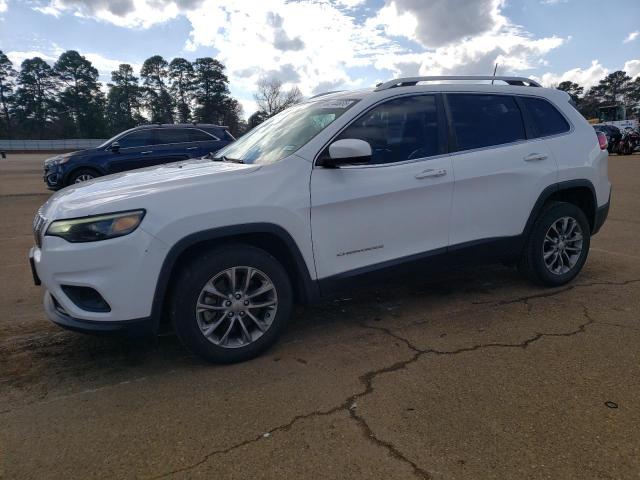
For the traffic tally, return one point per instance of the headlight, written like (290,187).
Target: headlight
(97,227)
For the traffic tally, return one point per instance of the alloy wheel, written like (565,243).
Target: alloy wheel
(83,178)
(562,245)
(236,307)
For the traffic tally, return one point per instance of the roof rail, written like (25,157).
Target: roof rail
(410,81)
(325,93)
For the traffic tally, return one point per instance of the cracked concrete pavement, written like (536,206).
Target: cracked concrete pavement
(471,374)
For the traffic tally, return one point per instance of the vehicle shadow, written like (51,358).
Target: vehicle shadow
(54,361)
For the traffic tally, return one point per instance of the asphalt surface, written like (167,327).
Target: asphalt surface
(473,374)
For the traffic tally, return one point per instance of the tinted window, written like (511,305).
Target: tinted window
(199,136)
(140,138)
(485,120)
(402,129)
(172,135)
(547,120)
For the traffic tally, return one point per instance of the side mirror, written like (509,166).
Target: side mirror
(115,147)
(348,151)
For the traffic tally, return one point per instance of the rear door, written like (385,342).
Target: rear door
(173,145)
(499,172)
(203,142)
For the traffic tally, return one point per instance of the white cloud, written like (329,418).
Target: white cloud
(4,5)
(320,44)
(631,37)
(243,33)
(586,77)
(17,57)
(124,13)
(436,23)
(103,64)
(632,67)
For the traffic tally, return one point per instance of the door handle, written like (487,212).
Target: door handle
(431,173)
(193,148)
(534,157)
(147,152)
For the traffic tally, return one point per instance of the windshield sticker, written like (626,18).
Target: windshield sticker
(336,104)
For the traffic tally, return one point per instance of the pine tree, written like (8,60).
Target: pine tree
(181,75)
(158,101)
(81,102)
(7,85)
(210,90)
(35,102)
(124,101)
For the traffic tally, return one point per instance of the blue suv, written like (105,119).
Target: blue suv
(139,147)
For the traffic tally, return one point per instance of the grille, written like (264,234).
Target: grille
(38,226)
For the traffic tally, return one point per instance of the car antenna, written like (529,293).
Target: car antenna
(495,69)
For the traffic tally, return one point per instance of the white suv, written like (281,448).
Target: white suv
(345,187)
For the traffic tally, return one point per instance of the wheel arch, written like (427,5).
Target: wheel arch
(274,239)
(76,169)
(580,192)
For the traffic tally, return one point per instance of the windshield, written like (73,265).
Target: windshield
(284,133)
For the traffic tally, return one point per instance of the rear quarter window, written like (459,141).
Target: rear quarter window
(546,118)
(200,136)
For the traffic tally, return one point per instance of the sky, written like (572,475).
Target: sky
(322,45)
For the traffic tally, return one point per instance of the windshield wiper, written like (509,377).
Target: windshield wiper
(222,158)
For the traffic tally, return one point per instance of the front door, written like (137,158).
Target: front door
(395,207)
(136,150)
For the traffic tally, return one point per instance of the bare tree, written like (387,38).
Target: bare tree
(272,98)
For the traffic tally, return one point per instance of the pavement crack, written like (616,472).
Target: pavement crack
(348,406)
(554,292)
(393,450)
(367,379)
(390,333)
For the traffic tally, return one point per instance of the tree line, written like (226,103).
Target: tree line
(65,100)
(616,88)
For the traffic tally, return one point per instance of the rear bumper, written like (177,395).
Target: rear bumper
(57,314)
(601,216)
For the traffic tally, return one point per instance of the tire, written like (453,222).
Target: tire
(249,330)
(82,175)
(564,266)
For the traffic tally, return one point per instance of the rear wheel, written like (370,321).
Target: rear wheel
(82,175)
(557,246)
(231,304)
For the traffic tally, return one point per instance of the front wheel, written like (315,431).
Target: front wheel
(230,304)
(82,175)
(557,246)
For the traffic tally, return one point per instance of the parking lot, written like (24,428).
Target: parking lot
(474,374)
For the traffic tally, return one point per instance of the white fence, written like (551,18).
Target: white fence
(66,144)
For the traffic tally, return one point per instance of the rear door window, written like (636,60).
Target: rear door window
(485,120)
(172,135)
(546,118)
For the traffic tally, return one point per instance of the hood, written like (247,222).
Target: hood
(115,192)
(57,158)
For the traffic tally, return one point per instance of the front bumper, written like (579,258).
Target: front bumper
(57,314)
(123,271)
(53,176)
